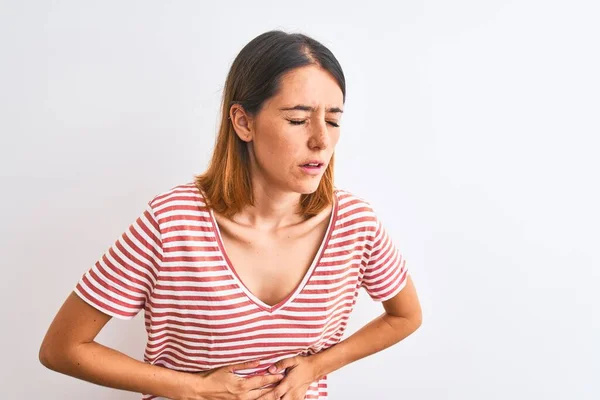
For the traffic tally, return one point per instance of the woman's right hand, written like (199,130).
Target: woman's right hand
(223,384)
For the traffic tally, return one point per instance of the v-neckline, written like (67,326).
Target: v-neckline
(291,296)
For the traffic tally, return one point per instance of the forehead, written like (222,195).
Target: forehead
(310,85)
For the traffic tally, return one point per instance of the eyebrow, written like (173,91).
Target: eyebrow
(302,107)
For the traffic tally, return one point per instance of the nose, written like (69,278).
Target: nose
(319,137)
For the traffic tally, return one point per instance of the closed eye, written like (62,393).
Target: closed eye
(302,121)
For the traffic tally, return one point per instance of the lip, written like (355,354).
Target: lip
(312,170)
(321,163)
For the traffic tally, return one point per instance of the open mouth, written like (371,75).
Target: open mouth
(312,165)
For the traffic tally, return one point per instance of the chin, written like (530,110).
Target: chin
(306,187)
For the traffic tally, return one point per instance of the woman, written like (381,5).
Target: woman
(247,276)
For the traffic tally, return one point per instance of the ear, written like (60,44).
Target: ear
(242,122)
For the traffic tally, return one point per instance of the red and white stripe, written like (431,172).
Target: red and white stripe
(200,316)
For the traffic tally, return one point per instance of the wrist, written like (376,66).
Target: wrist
(331,359)
(319,365)
(189,387)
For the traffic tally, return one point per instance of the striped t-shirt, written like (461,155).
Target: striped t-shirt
(198,314)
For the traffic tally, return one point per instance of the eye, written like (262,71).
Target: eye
(302,121)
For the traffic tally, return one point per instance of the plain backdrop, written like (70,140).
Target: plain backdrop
(471,126)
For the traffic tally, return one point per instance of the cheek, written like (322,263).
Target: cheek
(275,145)
(335,136)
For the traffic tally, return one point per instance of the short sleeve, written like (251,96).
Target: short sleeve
(385,273)
(122,280)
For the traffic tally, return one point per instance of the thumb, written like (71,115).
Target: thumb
(244,365)
(282,364)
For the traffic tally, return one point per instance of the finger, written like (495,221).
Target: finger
(282,364)
(263,394)
(259,381)
(293,395)
(244,365)
(273,393)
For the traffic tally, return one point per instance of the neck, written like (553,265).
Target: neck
(273,208)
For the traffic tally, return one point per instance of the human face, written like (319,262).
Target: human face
(300,124)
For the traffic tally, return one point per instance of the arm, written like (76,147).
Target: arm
(385,275)
(69,348)
(131,266)
(401,318)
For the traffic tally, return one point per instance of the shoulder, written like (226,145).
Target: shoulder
(184,198)
(347,199)
(184,192)
(354,209)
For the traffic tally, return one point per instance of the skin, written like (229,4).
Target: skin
(277,148)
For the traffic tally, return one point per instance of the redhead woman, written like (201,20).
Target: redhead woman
(248,273)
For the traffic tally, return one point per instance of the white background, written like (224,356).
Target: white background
(471,126)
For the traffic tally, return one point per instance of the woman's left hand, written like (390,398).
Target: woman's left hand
(301,372)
